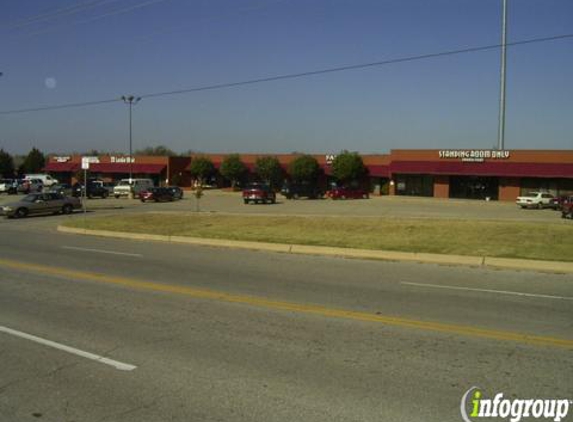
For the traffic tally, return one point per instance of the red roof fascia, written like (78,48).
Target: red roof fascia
(67,167)
(124,168)
(483,169)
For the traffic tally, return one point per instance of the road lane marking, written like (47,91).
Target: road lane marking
(101,359)
(318,310)
(75,248)
(471,289)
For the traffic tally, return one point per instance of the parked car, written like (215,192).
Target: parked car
(46,179)
(62,188)
(535,200)
(558,202)
(125,186)
(176,191)
(347,193)
(259,193)
(302,190)
(9,186)
(30,186)
(93,188)
(41,203)
(157,195)
(567,209)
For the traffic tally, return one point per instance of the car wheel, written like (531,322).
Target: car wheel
(295,196)
(246,201)
(365,196)
(21,213)
(540,206)
(105,195)
(342,196)
(67,209)
(116,196)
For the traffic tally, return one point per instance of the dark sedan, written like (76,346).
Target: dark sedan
(157,195)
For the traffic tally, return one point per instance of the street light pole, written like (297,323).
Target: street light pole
(130,100)
(501,127)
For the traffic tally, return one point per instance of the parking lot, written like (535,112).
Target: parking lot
(385,206)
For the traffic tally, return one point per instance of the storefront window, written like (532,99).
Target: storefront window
(414,185)
(473,187)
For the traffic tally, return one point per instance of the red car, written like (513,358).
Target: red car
(347,193)
(258,193)
(567,209)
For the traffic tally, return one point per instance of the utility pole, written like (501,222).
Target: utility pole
(501,124)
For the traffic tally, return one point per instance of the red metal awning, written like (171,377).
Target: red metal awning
(67,167)
(124,168)
(500,169)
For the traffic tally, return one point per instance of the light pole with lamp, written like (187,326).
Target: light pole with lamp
(131,101)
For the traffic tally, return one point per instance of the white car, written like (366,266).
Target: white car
(535,200)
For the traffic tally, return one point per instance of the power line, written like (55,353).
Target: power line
(294,75)
(55,13)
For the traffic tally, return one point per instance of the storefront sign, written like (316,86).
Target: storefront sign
(62,159)
(329,159)
(475,155)
(122,159)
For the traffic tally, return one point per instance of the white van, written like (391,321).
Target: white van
(46,179)
(137,185)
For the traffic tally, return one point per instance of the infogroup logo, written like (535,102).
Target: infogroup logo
(513,409)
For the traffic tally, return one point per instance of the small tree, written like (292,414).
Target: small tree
(201,168)
(348,167)
(304,168)
(233,169)
(34,161)
(6,164)
(269,170)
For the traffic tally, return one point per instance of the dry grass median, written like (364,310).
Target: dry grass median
(460,237)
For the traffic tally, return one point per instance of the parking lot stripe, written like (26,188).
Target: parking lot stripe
(101,359)
(75,248)
(276,305)
(471,289)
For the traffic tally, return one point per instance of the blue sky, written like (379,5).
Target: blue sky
(109,48)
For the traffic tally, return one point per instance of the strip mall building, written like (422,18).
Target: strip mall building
(472,174)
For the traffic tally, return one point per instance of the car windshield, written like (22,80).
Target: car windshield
(29,198)
(531,195)
(123,183)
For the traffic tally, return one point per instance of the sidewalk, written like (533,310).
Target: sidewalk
(458,260)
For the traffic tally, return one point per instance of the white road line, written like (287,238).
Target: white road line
(75,248)
(118,365)
(503,292)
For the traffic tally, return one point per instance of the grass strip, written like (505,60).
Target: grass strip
(506,239)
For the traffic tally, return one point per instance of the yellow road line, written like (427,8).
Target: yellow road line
(290,306)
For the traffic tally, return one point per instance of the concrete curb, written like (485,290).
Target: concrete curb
(462,260)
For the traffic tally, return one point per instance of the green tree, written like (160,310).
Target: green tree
(304,168)
(233,169)
(6,164)
(160,150)
(348,167)
(201,168)
(269,170)
(34,162)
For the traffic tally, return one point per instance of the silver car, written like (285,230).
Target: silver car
(41,203)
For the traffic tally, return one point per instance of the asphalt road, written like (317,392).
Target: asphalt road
(221,335)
